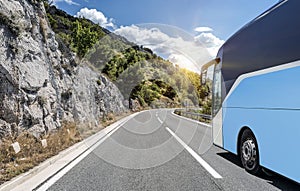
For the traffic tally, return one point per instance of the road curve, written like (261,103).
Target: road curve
(157,150)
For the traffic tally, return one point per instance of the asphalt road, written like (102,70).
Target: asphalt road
(143,154)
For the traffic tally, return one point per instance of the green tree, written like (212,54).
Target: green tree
(83,38)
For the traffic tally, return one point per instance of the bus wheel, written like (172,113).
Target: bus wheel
(249,152)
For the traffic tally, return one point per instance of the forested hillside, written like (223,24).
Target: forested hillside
(139,73)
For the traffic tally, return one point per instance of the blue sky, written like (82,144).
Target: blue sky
(224,17)
(208,22)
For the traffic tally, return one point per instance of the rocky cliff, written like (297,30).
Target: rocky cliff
(39,85)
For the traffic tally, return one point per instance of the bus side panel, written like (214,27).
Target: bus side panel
(277,133)
(269,104)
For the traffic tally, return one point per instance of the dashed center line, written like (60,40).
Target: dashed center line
(160,120)
(203,163)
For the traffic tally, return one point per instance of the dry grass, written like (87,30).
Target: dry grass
(33,153)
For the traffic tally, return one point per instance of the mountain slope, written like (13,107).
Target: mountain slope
(42,84)
(136,70)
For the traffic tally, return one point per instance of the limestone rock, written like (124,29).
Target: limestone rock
(39,85)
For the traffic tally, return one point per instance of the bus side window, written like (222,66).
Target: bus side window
(217,90)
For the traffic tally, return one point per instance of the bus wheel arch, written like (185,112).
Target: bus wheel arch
(248,151)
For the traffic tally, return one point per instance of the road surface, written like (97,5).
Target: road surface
(157,150)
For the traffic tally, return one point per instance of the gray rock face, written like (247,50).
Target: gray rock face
(39,86)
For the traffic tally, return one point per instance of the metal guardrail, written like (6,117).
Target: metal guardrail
(204,116)
(193,115)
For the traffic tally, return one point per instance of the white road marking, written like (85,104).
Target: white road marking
(160,120)
(203,163)
(61,173)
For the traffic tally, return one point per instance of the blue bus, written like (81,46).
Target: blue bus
(256,92)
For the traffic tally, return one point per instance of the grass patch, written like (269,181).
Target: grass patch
(32,151)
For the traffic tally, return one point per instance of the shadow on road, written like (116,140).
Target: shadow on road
(231,157)
(272,178)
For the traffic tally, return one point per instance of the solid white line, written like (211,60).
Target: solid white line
(61,173)
(203,163)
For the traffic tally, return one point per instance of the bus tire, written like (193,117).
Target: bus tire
(249,154)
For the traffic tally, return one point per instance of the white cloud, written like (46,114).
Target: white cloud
(188,54)
(96,16)
(203,29)
(142,36)
(210,41)
(70,2)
